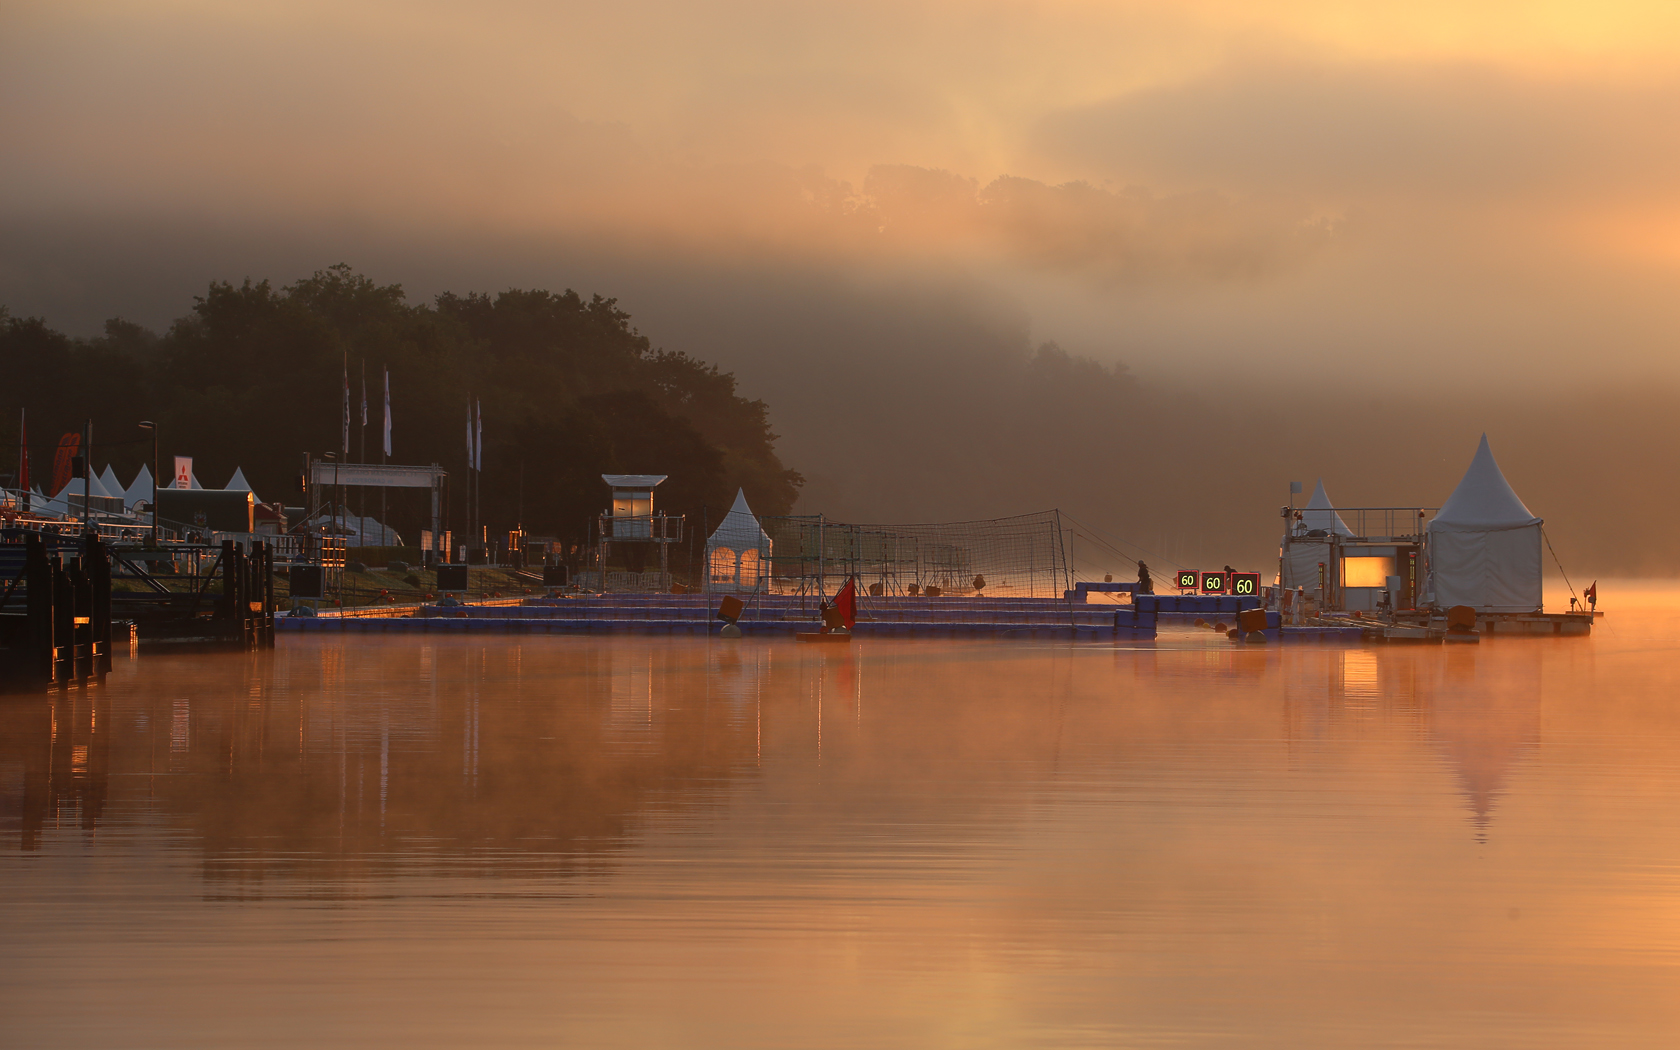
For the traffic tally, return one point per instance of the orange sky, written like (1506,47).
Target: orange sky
(1476,184)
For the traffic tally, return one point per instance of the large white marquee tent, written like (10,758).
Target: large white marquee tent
(1484,544)
(738,551)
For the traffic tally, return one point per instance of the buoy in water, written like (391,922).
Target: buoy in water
(1256,638)
(730,631)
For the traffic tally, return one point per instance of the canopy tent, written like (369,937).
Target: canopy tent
(1484,545)
(738,551)
(140,489)
(1303,551)
(237,483)
(108,481)
(1320,514)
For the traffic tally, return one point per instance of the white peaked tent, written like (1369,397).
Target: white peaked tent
(237,483)
(1320,514)
(1484,545)
(1301,553)
(108,481)
(738,552)
(140,489)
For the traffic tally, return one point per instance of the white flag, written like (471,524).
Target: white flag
(387,411)
(364,393)
(469,436)
(478,456)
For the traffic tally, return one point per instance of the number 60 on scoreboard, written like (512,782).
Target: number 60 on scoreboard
(1188,579)
(1245,583)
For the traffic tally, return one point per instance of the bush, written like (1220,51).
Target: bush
(412,580)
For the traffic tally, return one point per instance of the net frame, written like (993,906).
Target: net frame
(1022,556)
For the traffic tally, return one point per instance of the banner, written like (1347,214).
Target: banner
(68,446)
(183,472)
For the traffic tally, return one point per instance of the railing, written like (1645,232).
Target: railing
(656,528)
(1371,524)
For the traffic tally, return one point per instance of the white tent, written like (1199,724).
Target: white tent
(738,551)
(1484,545)
(1301,553)
(108,481)
(237,483)
(140,489)
(1320,514)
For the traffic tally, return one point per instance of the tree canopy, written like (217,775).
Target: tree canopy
(253,376)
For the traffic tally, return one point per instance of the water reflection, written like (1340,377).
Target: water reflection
(674,842)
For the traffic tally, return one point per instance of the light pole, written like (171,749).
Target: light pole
(148,425)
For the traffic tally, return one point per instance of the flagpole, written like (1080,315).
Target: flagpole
(384,445)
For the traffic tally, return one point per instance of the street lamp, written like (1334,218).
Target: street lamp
(148,425)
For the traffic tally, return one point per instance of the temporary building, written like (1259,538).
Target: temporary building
(1308,543)
(1320,514)
(1484,544)
(237,483)
(140,489)
(108,481)
(738,551)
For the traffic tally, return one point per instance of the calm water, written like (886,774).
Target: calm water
(564,842)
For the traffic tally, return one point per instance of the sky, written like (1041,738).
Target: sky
(1307,203)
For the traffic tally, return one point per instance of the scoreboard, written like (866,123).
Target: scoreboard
(1242,584)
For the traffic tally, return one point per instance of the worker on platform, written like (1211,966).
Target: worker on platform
(1145,585)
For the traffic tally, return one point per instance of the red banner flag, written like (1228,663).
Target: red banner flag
(68,446)
(846,602)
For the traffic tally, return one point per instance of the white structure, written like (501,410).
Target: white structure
(738,551)
(140,490)
(237,483)
(632,504)
(108,481)
(1308,544)
(1484,545)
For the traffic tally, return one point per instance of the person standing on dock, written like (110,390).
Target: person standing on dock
(1145,584)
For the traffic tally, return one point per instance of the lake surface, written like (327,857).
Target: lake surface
(648,842)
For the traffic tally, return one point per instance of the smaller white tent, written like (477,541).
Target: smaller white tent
(1484,544)
(140,489)
(237,483)
(738,551)
(108,481)
(1303,552)
(1320,514)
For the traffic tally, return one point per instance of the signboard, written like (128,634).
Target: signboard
(1245,584)
(1213,583)
(1187,579)
(183,472)
(306,581)
(452,578)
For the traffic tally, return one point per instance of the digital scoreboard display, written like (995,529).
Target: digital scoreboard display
(1213,583)
(1245,584)
(1187,579)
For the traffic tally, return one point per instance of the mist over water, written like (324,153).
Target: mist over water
(634,842)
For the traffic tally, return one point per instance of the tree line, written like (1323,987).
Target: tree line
(253,378)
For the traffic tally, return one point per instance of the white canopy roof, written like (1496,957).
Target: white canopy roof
(108,481)
(140,490)
(634,481)
(739,530)
(1321,514)
(1484,501)
(237,483)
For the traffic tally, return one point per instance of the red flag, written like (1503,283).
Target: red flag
(846,602)
(1591,593)
(68,445)
(23,453)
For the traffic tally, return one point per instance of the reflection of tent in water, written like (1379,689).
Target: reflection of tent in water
(1484,720)
(1482,717)
(738,551)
